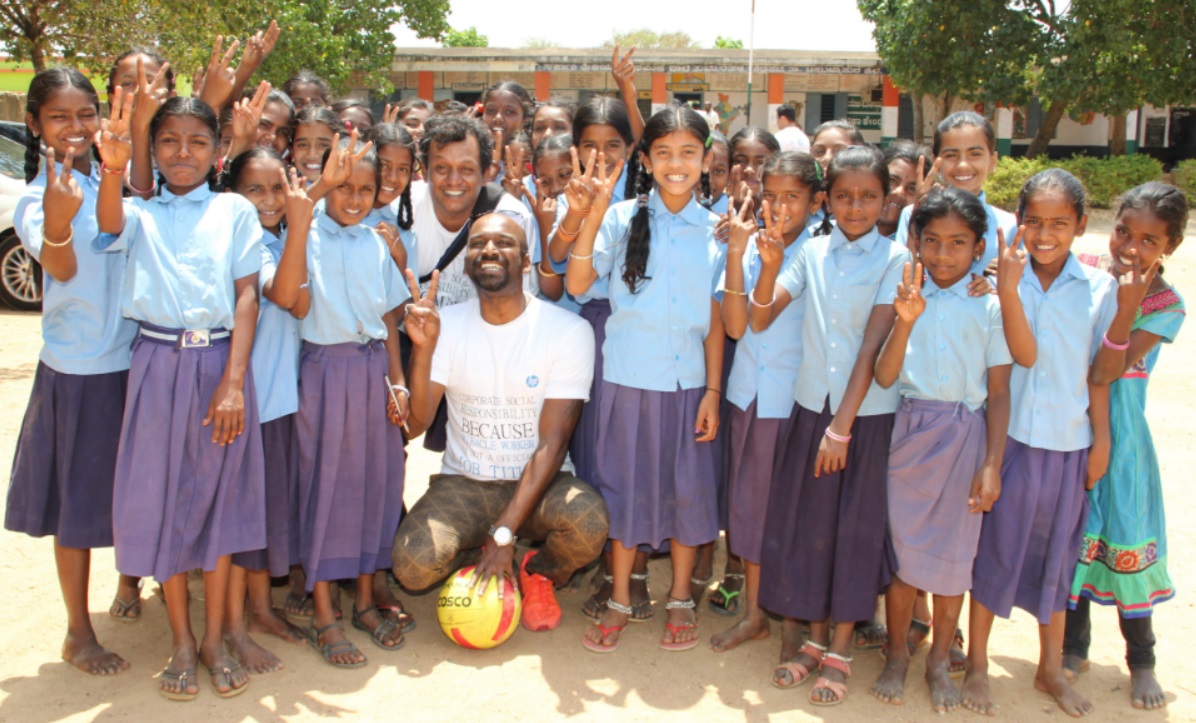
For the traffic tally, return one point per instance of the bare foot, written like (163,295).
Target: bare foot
(890,686)
(684,628)
(86,654)
(741,632)
(944,696)
(611,619)
(976,696)
(227,674)
(276,624)
(1145,691)
(179,676)
(791,639)
(1073,665)
(1072,703)
(255,658)
(299,605)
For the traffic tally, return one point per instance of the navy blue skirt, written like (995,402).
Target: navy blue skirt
(63,470)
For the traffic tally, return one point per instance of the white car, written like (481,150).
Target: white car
(20,275)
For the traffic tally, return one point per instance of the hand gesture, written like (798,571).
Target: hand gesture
(579,191)
(114,140)
(742,227)
(910,303)
(722,227)
(226,413)
(341,161)
(985,491)
(706,425)
(1011,261)
(150,96)
(1098,463)
(247,116)
(257,49)
(832,456)
(215,85)
(63,196)
(770,244)
(398,406)
(623,69)
(513,171)
(1133,285)
(545,207)
(927,182)
(299,207)
(423,320)
(737,189)
(391,113)
(498,561)
(602,184)
(981,285)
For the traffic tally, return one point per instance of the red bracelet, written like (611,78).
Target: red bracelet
(573,210)
(1114,347)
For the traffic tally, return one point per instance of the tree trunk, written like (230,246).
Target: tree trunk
(919,118)
(37,54)
(1046,131)
(1117,141)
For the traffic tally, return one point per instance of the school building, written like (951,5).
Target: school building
(819,85)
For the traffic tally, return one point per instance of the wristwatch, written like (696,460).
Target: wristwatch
(502,536)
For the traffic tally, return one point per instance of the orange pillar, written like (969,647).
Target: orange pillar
(660,94)
(426,90)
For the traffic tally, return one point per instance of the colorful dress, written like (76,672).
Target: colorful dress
(1124,558)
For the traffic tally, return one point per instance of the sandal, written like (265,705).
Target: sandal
(642,611)
(181,678)
(729,605)
(840,663)
(399,615)
(120,609)
(594,608)
(957,660)
(330,649)
(227,672)
(381,630)
(870,636)
(798,672)
(598,647)
(671,645)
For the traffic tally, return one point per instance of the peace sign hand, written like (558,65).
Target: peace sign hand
(341,161)
(742,227)
(391,113)
(623,69)
(545,206)
(114,141)
(247,116)
(63,194)
(299,207)
(1011,261)
(257,48)
(927,182)
(512,177)
(579,191)
(737,188)
(910,303)
(423,320)
(149,97)
(603,185)
(218,81)
(1133,284)
(769,243)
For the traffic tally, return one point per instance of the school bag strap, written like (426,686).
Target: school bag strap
(487,201)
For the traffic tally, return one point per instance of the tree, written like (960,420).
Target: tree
(540,43)
(467,38)
(729,43)
(338,40)
(645,39)
(1106,56)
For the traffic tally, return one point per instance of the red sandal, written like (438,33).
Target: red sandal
(798,672)
(840,663)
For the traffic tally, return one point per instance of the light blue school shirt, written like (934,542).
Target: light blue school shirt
(655,337)
(83,331)
(842,281)
(354,283)
(390,214)
(184,253)
(275,355)
(765,365)
(998,218)
(1069,320)
(952,346)
(720,206)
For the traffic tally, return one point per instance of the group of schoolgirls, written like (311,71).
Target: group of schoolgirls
(858,411)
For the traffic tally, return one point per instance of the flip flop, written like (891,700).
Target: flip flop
(119,611)
(674,628)
(330,649)
(378,634)
(227,672)
(182,678)
(598,647)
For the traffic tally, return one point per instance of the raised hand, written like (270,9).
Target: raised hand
(1133,284)
(423,320)
(926,182)
(737,190)
(63,194)
(219,80)
(769,243)
(622,68)
(151,94)
(513,171)
(391,113)
(247,117)
(910,303)
(341,161)
(114,140)
(545,207)
(603,184)
(299,207)
(1011,261)
(742,226)
(257,49)
(579,191)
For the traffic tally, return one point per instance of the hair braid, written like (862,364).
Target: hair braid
(635,263)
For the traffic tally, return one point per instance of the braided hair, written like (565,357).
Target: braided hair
(670,120)
(41,89)
(390,134)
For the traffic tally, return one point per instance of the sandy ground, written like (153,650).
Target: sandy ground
(549,675)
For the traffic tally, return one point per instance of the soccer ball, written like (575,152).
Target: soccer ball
(477,621)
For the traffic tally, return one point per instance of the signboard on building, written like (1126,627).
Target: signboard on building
(863,112)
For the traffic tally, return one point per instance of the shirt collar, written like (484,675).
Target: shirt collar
(959,288)
(332,228)
(866,242)
(196,195)
(983,198)
(693,213)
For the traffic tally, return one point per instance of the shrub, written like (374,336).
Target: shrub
(1104,178)
(1184,175)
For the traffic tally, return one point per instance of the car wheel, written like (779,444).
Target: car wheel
(20,275)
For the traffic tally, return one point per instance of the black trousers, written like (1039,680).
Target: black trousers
(1138,634)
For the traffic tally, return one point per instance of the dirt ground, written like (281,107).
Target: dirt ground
(548,676)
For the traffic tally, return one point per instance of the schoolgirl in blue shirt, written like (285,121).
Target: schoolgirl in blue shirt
(350,456)
(189,490)
(824,535)
(311,138)
(720,176)
(763,375)
(948,357)
(658,412)
(750,148)
(1055,319)
(827,141)
(62,474)
(907,162)
(259,176)
(551,172)
(965,153)
(391,214)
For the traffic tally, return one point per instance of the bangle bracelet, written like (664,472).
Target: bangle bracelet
(715,390)
(57,244)
(752,298)
(565,235)
(134,189)
(837,437)
(587,257)
(401,388)
(733,292)
(1114,347)
(111,172)
(540,270)
(576,212)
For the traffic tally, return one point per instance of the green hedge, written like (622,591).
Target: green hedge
(1184,175)
(1104,178)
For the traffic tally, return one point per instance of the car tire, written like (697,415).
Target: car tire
(20,276)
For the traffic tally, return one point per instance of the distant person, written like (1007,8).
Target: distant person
(710,115)
(788,134)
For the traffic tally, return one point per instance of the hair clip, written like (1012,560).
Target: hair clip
(641,201)
(709,141)
(818,171)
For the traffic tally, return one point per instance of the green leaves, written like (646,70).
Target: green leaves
(467,38)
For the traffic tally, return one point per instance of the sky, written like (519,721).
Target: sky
(829,24)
